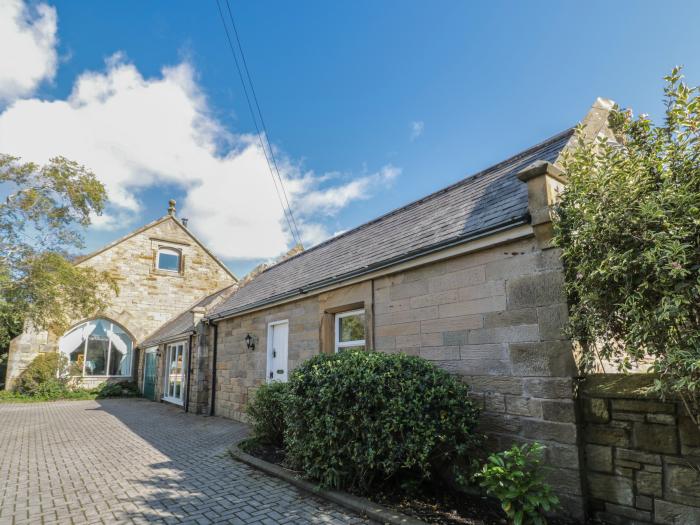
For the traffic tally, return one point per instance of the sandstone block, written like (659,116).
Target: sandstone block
(549,431)
(682,484)
(410,289)
(456,280)
(643,502)
(638,405)
(560,455)
(432,299)
(455,338)
(504,385)
(595,410)
(553,358)
(552,320)
(599,458)
(536,290)
(494,402)
(510,318)
(482,290)
(538,261)
(439,353)
(398,329)
(490,351)
(549,387)
(418,314)
(505,334)
(465,322)
(562,411)
(613,489)
(477,306)
(649,483)
(635,455)
(661,419)
(476,366)
(523,406)
(668,513)
(606,435)
(655,438)
(628,512)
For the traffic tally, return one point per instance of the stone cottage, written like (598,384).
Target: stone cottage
(161,269)
(465,277)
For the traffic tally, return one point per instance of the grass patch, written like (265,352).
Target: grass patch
(103,391)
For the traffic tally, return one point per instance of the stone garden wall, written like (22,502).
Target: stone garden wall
(642,455)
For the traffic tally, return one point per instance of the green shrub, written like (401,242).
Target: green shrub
(266,412)
(121,389)
(515,478)
(46,376)
(362,419)
(629,232)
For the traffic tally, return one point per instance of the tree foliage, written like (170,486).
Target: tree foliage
(41,220)
(629,228)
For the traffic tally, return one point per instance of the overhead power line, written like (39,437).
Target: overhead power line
(264,142)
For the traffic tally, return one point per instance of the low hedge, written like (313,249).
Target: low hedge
(361,419)
(266,413)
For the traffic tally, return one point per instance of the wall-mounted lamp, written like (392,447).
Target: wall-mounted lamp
(250,342)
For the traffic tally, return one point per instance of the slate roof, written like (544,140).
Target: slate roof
(182,325)
(487,201)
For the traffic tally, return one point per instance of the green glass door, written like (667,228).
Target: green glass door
(149,376)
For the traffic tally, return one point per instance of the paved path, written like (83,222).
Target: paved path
(134,461)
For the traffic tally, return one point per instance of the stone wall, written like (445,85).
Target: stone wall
(239,371)
(642,455)
(147,297)
(494,317)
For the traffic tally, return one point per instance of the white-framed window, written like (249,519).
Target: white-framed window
(168,259)
(98,347)
(350,330)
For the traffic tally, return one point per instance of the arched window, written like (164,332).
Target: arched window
(168,259)
(98,347)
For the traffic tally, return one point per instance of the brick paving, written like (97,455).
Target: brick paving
(134,461)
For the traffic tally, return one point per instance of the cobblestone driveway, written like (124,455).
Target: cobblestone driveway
(134,461)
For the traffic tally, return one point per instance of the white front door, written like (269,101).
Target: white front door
(277,342)
(174,388)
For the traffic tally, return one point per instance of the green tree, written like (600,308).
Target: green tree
(42,217)
(628,225)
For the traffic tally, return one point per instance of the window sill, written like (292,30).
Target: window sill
(166,273)
(173,401)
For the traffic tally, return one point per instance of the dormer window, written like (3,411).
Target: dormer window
(168,260)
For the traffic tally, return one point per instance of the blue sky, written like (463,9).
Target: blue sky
(369,104)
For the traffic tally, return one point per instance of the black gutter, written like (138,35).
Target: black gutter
(213,369)
(514,221)
(189,369)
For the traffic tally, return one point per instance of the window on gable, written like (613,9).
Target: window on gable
(168,260)
(350,330)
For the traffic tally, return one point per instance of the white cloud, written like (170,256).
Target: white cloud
(28,44)
(137,133)
(417,127)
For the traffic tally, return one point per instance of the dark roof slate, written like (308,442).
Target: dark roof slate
(182,323)
(483,202)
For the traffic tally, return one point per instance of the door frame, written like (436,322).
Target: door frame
(151,350)
(270,333)
(183,383)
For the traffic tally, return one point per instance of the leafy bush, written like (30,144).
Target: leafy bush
(121,389)
(514,477)
(47,376)
(266,412)
(629,228)
(361,419)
